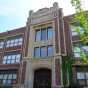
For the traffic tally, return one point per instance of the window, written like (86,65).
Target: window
(8,43)
(85,48)
(14,76)
(86,75)
(14,42)
(74,30)
(79,49)
(38,35)
(82,78)
(50,50)
(7,78)
(20,41)
(80,75)
(43,51)
(11,58)
(1,44)
(44,34)
(37,52)
(50,32)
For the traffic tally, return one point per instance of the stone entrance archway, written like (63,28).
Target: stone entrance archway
(42,78)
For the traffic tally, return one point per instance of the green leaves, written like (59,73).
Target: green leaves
(85,58)
(76,4)
(81,16)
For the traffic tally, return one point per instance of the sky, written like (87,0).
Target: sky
(14,13)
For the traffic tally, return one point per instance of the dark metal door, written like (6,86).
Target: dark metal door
(42,78)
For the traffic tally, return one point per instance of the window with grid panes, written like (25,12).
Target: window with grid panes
(15,41)
(76,26)
(82,77)
(80,48)
(10,58)
(8,78)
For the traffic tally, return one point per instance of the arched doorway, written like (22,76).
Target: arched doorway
(42,78)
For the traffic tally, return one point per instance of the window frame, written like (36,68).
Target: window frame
(46,51)
(41,36)
(39,55)
(1,44)
(85,80)
(81,73)
(80,45)
(9,58)
(73,29)
(50,37)
(15,41)
(8,80)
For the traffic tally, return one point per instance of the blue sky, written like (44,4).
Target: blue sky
(14,13)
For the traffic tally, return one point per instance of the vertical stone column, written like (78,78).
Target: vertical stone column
(57,73)
(62,33)
(29,75)
(53,73)
(59,45)
(21,74)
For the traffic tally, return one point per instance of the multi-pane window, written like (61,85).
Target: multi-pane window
(79,49)
(82,78)
(44,33)
(7,78)
(1,44)
(74,29)
(80,75)
(14,42)
(43,51)
(11,58)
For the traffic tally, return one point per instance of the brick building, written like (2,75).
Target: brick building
(12,50)
(79,68)
(48,43)
(32,56)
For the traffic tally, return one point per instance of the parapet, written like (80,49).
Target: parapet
(42,15)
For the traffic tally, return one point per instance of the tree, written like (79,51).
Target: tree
(81,17)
